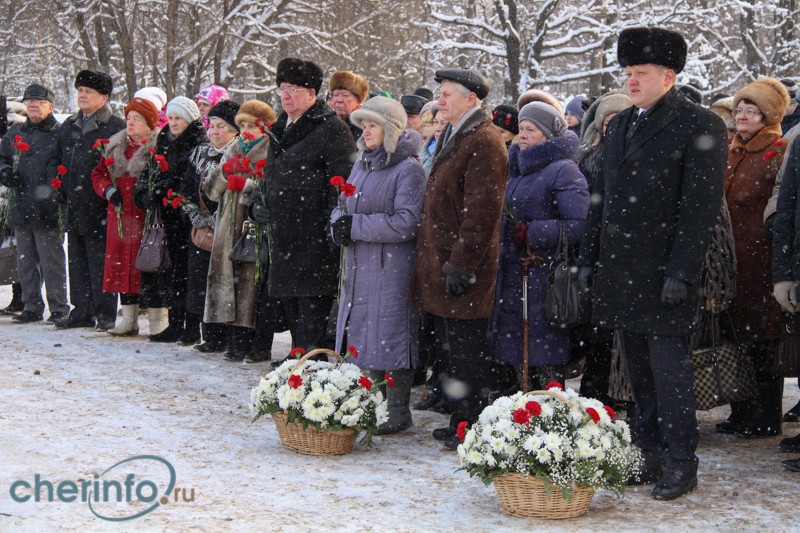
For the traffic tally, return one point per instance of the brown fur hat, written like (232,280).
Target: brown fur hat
(723,108)
(252,110)
(536,95)
(769,94)
(349,81)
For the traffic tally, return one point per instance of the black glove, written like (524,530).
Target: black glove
(115,198)
(7,177)
(259,213)
(458,281)
(584,276)
(159,192)
(340,231)
(674,293)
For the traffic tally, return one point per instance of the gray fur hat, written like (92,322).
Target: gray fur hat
(388,113)
(545,117)
(184,108)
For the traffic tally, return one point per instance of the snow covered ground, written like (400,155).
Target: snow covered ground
(75,402)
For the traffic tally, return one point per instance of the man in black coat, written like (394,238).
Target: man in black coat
(646,237)
(313,145)
(34,208)
(85,210)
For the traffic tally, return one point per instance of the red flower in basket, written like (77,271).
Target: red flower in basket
(594,414)
(297,352)
(365,382)
(295,381)
(389,380)
(351,350)
(236,182)
(55,183)
(461,430)
(554,384)
(62,170)
(611,413)
(521,416)
(533,408)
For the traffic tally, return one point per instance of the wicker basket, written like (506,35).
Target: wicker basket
(312,441)
(524,496)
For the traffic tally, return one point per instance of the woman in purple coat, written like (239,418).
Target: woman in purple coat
(545,189)
(378,229)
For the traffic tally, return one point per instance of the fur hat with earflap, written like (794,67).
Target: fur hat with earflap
(769,94)
(349,81)
(387,113)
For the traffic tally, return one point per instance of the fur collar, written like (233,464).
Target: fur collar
(760,142)
(537,157)
(444,149)
(118,145)
(49,123)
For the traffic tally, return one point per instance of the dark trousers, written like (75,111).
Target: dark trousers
(763,412)
(468,365)
(307,318)
(661,378)
(87,255)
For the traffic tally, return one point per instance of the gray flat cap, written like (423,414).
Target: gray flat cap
(471,79)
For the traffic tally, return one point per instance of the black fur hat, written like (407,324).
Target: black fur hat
(642,45)
(99,81)
(299,72)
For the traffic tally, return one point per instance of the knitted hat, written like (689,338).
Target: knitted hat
(723,107)
(213,94)
(505,116)
(299,72)
(604,106)
(99,81)
(770,96)
(659,46)
(535,95)
(384,111)
(349,81)
(226,110)
(34,91)
(184,108)
(575,107)
(156,96)
(145,108)
(253,110)
(545,117)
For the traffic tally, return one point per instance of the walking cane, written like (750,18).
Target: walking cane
(525,261)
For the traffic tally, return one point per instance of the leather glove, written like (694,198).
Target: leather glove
(114,196)
(458,281)
(584,277)
(259,213)
(674,293)
(340,231)
(159,192)
(785,292)
(521,235)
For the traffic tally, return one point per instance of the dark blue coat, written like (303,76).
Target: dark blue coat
(545,188)
(786,237)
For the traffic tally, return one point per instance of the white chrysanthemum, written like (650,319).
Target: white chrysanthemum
(583,449)
(513,433)
(497,444)
(382,413)
(504,404)
(489,460)
(547,410)
(552,441)
(532,443)
(474,457)
(605,442)
(542,455)
(489,415)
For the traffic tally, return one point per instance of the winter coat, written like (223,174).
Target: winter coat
(232,293)
(202,161)
(786,238)
(373,312)
(426,155)
(460,220)
(85,212)
(545,189)
(790,121)
(656,204)
(33,201)
(130,159)
(300,199)
(749,179)
(590,163)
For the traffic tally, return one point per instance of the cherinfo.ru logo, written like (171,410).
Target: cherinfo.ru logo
(143,484)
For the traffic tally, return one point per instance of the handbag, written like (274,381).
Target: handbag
(244,249)
(565,304)
(153,253)
(723,372)
(8,260)
(203,238)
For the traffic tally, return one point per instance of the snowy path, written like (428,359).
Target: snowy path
(75,403)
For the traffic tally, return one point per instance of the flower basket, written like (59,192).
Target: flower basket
(320,407)
(548,451)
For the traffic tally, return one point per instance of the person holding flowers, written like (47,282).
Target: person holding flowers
(377,225)
(34,208)
(232,290)
(125,156)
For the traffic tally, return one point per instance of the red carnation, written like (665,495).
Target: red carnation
(769,155)
(352,351)
(152,150)
(779,142)
(17,138)
(98,144)
(144,141)
(229,167)
(594,414)
(22,146)
(55,183)
(297,352)
(165,201)
(337,181)
(62,170)
(389,380)
(522,416)
(611,414)
(261,163)
(244,163)
(365,382)
(109,161)
(295,381)
(348,189)
(461,430)
(170,193)
(176,202)
(555,384)
(236,182)
(249,136)
(533,408)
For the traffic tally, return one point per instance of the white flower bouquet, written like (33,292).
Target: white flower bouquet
(327,396)
(555,435)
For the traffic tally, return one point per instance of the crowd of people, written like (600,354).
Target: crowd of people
(411,228)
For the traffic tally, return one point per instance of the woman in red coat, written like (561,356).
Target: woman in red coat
(124,158)
(754,158)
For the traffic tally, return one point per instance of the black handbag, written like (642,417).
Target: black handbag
(565,304)
(153,253)
(724,372)
(244,249)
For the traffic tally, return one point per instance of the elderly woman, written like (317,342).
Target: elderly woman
(754,157)
(222,134)
(124,159)
(544,191)
(232,293)
(429,146)
(208,98)
(175,143)
(378,228)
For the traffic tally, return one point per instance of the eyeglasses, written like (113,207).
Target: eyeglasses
(290,90)
(342,94)
(749,113)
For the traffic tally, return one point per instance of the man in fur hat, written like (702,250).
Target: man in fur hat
(348,91)
(646,237)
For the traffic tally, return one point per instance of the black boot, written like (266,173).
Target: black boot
(174,329)
(793,414)
(191,330)
(213,338)
(261,350)
(16,305)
